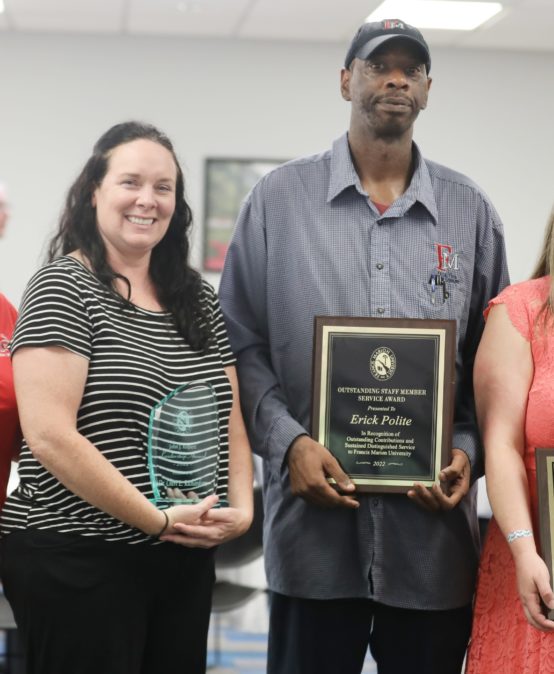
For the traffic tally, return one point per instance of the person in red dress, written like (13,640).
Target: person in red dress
(514,370)
(10,434)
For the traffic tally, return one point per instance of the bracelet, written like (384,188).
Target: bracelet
(518,533)
(166,524)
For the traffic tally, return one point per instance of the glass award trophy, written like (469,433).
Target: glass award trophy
(183,445)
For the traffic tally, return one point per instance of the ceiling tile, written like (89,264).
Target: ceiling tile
(310,20)
(186,17)
(53,6)
(66,15)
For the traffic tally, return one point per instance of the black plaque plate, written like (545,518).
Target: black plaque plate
(383,398)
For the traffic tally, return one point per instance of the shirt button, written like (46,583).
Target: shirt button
(380,310)
(379,265)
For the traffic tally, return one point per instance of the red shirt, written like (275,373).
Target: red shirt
(10,433)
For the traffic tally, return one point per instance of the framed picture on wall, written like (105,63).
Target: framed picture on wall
(227,182)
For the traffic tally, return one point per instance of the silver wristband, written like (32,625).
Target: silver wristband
(518,533)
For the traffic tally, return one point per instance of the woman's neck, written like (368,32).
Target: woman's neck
(137,272)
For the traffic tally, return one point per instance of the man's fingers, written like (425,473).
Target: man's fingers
(309,465)
(324,495)
(449,473)
(434,498)
(333,468)
(457,466)
(452,471)
(423,497)
(318,490)
(447,501)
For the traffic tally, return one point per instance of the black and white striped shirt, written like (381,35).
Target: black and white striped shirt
(136,358)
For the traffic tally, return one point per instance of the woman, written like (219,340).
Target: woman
(513,376)
(99,579)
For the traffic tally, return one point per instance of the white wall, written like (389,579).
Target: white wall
(490,116)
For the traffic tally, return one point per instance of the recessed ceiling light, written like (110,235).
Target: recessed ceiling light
(438,14)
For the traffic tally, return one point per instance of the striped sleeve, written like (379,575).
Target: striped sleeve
(53,313)
(218,326)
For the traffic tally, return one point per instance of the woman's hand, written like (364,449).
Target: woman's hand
(533,583)
(212,528)
(187,513)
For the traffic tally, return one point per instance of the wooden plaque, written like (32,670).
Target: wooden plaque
(383,398)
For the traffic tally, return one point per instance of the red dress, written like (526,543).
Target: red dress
(502,641)
(10,435)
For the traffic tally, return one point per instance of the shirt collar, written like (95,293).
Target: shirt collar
(343,175)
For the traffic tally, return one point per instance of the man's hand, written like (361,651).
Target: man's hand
(454,485)
(309,465)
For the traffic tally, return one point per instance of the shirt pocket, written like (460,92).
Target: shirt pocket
(445,301)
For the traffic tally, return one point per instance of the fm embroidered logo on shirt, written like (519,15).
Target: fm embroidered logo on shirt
(447,258)
(448,264)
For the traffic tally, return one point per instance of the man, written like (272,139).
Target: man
(369,228)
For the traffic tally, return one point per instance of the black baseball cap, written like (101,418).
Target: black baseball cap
(372,35)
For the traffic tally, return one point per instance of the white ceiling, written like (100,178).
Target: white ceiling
(523,24)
